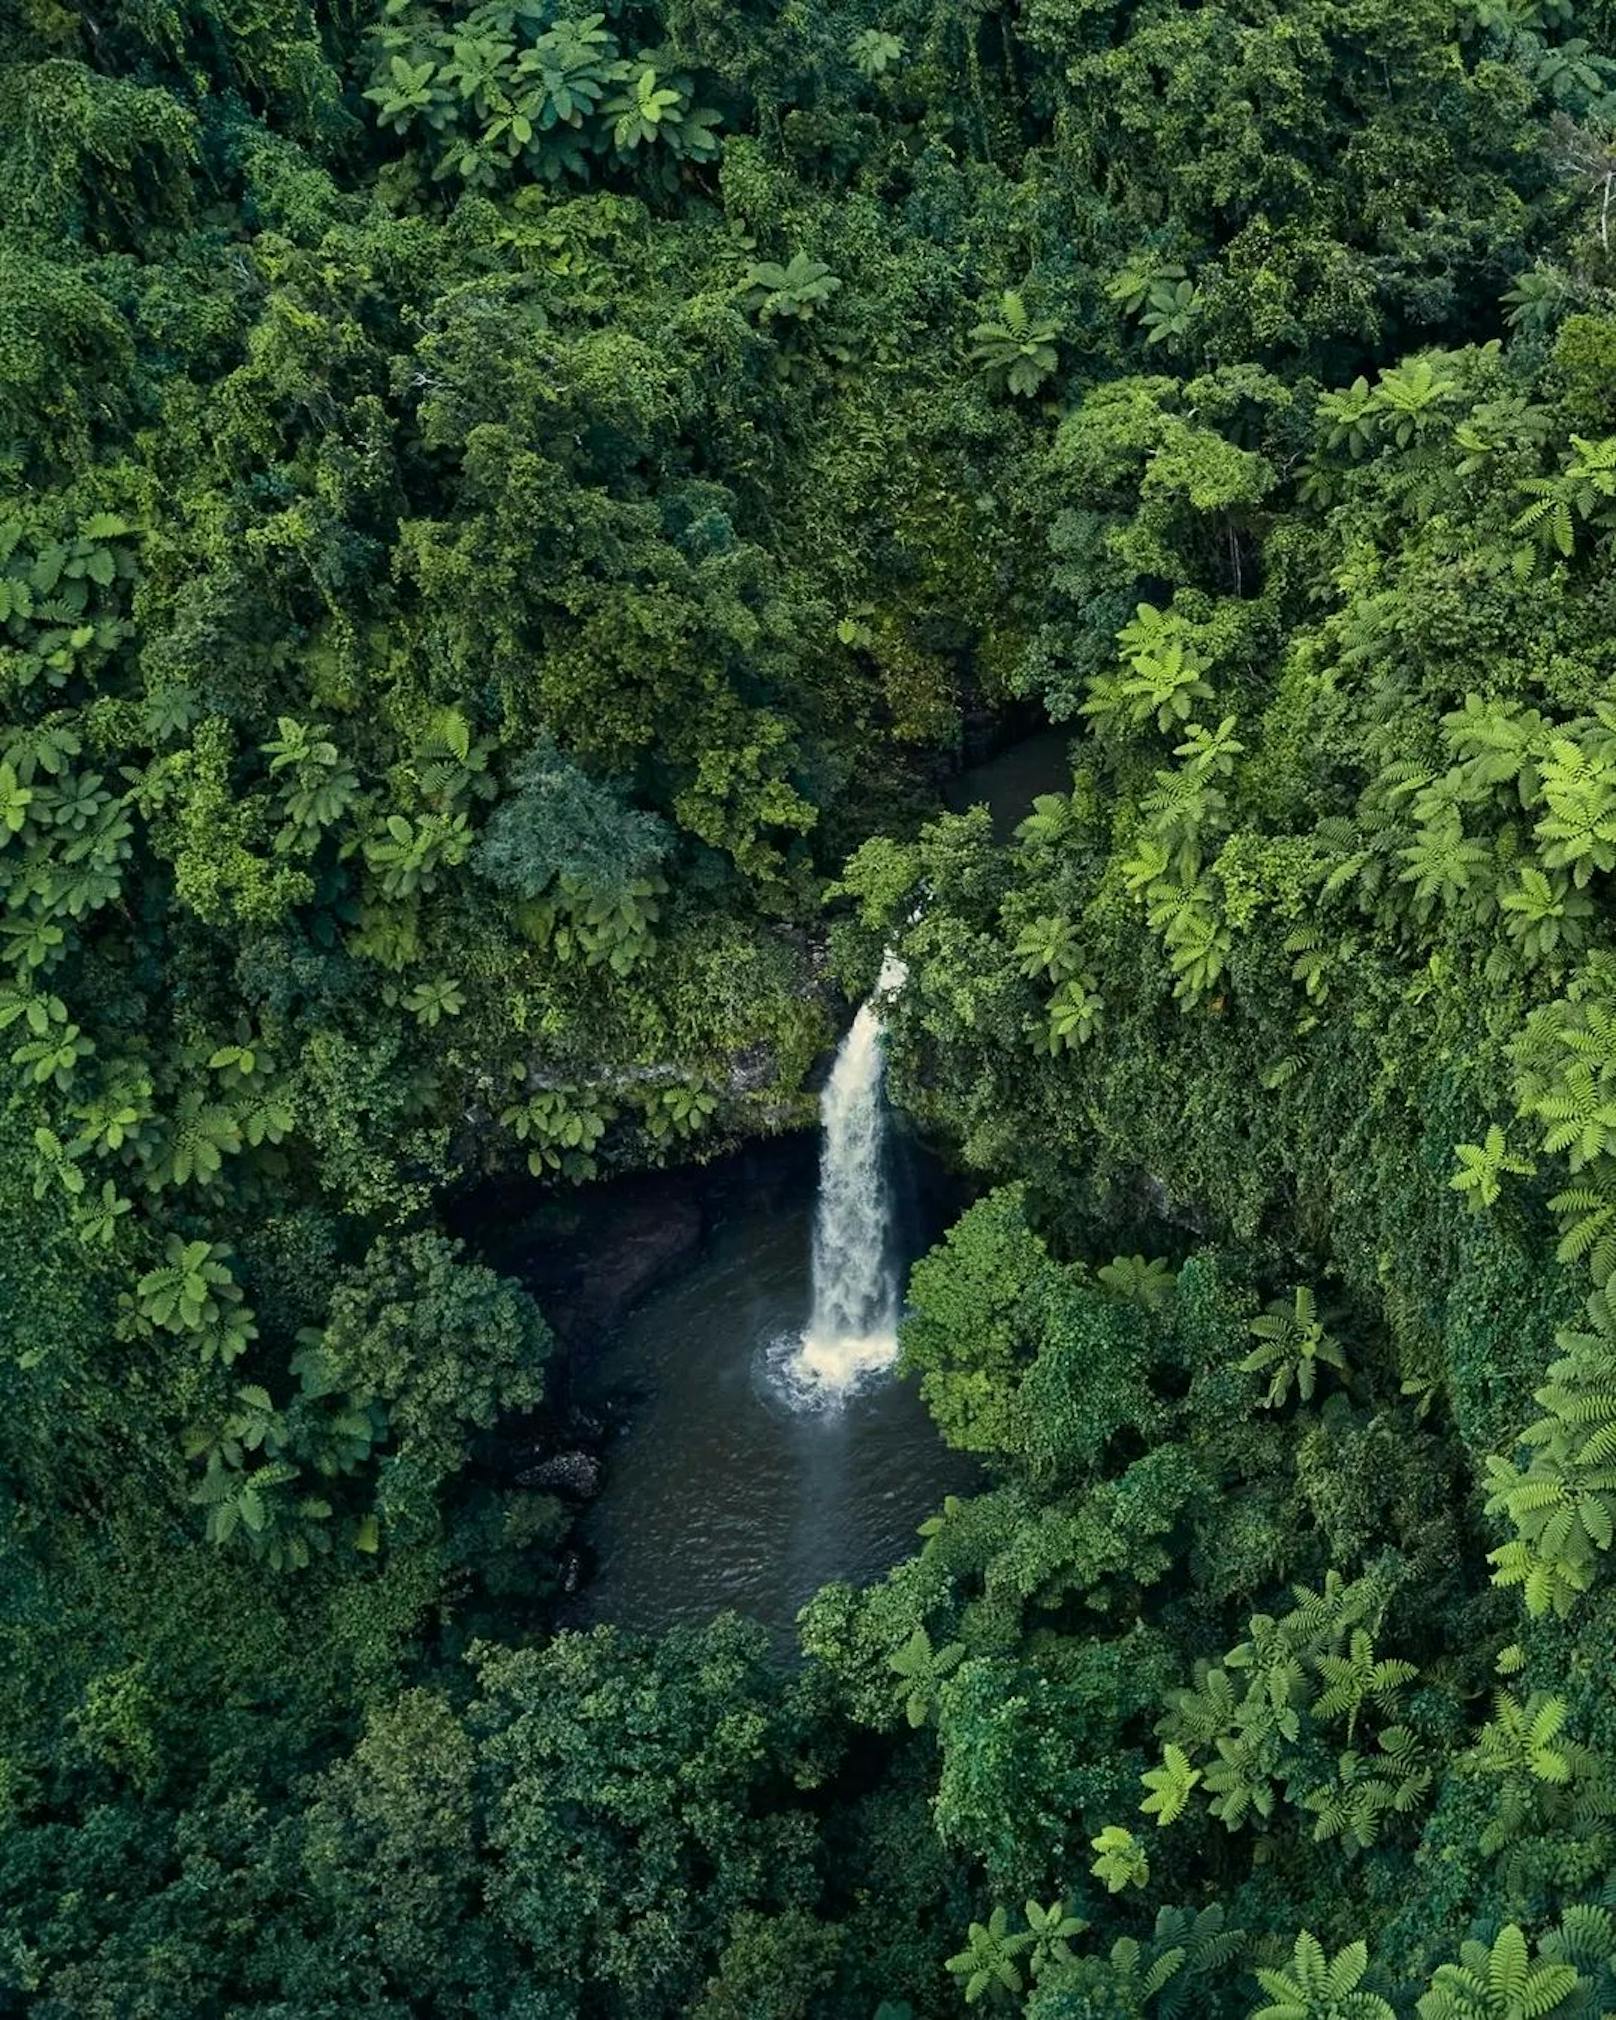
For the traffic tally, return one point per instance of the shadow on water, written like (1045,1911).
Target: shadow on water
(722,1493)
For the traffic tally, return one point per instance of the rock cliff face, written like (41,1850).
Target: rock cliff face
(764,1087)
(589,1255)
(629,1235)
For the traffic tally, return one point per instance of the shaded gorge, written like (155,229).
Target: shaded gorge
(1010,780)
(758,1441)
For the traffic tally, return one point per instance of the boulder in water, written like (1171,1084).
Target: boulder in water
(574,1474)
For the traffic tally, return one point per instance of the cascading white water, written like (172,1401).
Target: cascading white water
(853,1327)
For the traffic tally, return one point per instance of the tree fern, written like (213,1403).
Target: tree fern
(1170,1786)
(1580,1116)
(1048,946)
(1577,494)
(1482,1165)
(1503,1982)
(1317,1987)
(1356,1678)
(990,1961)
(1201,1945)
(1293,1347)
(1076,1012)
(920,1669)
(1017,350)
(1148,1283)
(1122,1860)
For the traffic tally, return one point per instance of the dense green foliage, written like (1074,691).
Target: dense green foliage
(505,510)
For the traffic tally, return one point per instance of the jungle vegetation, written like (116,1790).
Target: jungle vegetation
(507,508)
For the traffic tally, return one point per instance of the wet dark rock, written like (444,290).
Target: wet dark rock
(587,1427)
(634,1235)
(1175,1212)
(574,1474)
(750,1071)
(590,1253)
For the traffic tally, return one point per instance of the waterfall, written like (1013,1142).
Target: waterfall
(853,1326)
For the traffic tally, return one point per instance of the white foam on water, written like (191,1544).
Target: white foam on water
(816,1377)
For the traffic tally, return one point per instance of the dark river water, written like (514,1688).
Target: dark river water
(1010,782)
(722,1490)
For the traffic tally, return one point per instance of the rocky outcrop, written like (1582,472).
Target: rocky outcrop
(750,1071)
(588,1257)
(574,1475)
(1164,1207)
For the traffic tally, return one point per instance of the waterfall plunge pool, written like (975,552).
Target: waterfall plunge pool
(731,1484)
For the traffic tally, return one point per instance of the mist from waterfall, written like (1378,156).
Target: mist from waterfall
(852,1329)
